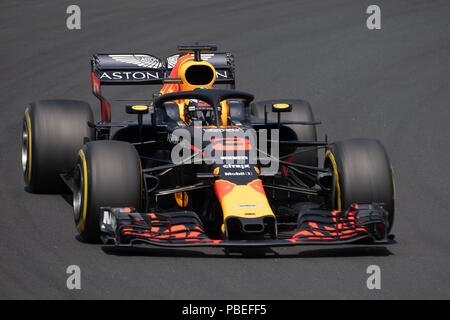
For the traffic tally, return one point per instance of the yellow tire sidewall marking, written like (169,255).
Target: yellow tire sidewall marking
(82,222)
(28,120)
(393,186)
(330,156)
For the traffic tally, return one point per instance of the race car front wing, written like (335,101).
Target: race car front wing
(363,223)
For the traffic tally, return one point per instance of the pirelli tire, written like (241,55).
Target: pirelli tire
(363,174)
(107,173)
(53,131)
(301,111)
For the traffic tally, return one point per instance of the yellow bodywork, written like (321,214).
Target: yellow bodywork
(243,201)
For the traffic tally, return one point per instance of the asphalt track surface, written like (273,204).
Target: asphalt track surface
(391,84)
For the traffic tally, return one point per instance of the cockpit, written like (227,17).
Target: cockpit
(190,73)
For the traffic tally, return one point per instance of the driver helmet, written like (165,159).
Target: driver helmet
(196,110)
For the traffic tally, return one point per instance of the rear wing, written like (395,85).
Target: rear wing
(140,68)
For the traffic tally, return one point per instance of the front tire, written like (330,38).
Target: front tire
(53,132)
(107,173)
(363,174)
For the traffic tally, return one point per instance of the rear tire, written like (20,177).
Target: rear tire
(108,173)
(53,132)
(363,174)
(301,111)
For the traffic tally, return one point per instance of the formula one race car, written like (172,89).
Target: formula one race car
(203,166)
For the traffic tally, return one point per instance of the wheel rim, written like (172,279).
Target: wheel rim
(25,148)
(78,193)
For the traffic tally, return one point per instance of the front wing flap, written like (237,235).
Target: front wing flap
(364,223)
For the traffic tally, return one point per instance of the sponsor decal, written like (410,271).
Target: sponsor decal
(141,60)
(236,166)
(247,205)
(130,75)
(220,130)
(172,61)
(235,143)
(108,220)
(234,158)
(246,173)
(221,74)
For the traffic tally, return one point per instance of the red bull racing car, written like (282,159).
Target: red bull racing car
(203,165)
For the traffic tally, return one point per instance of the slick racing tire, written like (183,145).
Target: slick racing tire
(53,131)
(363,174)
(301,111)
(107,173)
